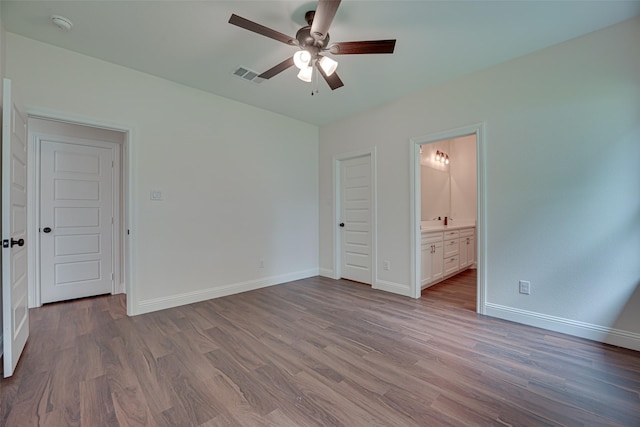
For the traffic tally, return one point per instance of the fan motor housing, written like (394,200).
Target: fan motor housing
(306,40)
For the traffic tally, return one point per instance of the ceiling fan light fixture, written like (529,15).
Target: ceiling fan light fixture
(328,65)
(301,59)
(306,74)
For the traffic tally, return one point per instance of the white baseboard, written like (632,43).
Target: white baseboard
(155,304)
(590,331)
(325,272)
(396,288)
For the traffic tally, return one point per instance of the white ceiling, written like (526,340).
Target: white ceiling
(190,42)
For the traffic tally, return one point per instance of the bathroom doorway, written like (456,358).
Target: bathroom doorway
(447,212)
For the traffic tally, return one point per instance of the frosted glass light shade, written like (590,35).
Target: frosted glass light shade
(305,74)
(328,65)
(301,59)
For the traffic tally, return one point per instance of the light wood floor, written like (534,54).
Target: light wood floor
(309,353)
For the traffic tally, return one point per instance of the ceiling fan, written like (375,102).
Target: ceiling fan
(313,40)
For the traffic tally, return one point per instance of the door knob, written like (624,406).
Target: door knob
(342,224)
(19,242)
(47,229)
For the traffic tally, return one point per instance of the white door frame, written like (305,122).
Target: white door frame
(36,139)
(415,205)
(125,182)
(337,203)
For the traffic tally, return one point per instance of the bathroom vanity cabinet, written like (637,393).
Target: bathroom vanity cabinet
(446,251)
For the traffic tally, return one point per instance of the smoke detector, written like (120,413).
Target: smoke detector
(61,22)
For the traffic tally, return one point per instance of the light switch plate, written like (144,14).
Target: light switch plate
(155,194)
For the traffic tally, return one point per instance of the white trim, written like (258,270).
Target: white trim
(337,248)
(154,304)
(127,167)
(589,331)
(325,272)
(33,207)
(396,288)
(415,195)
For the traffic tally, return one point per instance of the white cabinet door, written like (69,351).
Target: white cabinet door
(425,264)
(14,231)
(437,262)
(463,252)
(471,251)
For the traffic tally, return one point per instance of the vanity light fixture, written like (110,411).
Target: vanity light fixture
(442,157)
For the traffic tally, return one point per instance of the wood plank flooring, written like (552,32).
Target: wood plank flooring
(314,352)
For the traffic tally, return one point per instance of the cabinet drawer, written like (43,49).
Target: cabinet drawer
(432,237)
(467,232)
(451,247)
(454,234)
(451,264)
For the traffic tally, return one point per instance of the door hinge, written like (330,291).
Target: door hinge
(112,276)
(112,164)
(111,220)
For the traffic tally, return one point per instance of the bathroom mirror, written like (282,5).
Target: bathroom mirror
(436,193)
(449,185)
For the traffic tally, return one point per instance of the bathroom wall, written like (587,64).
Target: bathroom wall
(464,187)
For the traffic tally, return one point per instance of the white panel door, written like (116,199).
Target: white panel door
(76,220)
(14,231)
(355,221)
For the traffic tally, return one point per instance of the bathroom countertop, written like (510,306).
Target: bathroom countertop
(431,228)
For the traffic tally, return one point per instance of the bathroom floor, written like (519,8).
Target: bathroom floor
(458,291)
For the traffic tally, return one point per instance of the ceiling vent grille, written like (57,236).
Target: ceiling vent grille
(248,75)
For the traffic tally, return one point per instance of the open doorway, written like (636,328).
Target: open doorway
(447,216)
(77,211)
(448,193)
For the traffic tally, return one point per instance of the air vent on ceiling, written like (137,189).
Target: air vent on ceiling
(247,74)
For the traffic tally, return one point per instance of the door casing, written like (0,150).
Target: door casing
(415,206)
(124,219)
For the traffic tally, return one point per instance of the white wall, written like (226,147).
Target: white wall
(464,186)
(240,184)
(562,201)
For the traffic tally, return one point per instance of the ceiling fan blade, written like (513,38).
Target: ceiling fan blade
(371,46)
(287,63)
(261,29)
(325,12)
(333,80)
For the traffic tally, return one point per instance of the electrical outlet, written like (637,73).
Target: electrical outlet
(155,195)
(261,264)
(386,265)
(525,287)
